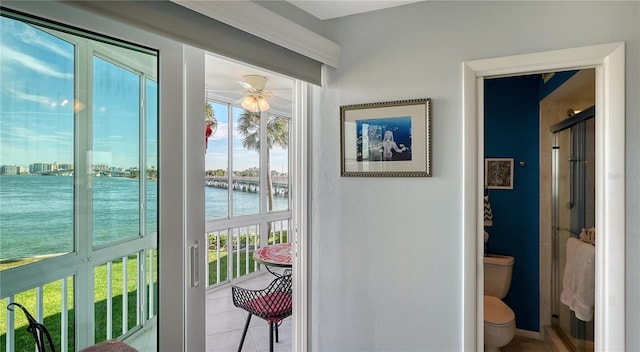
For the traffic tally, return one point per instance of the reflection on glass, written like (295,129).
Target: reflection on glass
(246,162)
(216,160)
(151,201)
(73,157)
(116,139)
(574,185)
(36,144)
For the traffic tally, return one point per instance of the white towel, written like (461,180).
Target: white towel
(588,235)
(579,279)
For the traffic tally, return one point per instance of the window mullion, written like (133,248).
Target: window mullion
(142,178)
(264,162)
(142,156)
(230,262)
(230,160)
(83,173)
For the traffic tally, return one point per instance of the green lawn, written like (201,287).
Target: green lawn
(223,266)
(52,299)
(224,260)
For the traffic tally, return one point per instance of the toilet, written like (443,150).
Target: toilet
(499,319)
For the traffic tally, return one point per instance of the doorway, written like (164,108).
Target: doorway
(610,208)
(253,196)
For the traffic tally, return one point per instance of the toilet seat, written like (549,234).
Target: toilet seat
(497,313)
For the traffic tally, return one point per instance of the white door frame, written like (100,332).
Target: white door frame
(609,61)
(300,218)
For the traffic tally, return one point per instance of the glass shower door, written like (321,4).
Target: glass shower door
(573,209)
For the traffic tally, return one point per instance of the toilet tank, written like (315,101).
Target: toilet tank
(497,275)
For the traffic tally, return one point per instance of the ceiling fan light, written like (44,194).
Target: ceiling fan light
(263,104)
(250,103)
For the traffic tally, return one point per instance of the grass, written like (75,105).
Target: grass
(224,258)
(52,301)
(223,266)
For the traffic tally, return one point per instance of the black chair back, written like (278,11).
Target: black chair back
(39,331)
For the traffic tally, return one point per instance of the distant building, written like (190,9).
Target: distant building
(8,170)
(38,168)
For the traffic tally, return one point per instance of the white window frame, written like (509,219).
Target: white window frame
(81,262)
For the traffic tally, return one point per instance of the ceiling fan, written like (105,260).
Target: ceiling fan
(255,99)
(250,90)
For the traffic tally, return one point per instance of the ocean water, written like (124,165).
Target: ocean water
(36,212)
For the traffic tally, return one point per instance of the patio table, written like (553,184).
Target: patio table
(278,255)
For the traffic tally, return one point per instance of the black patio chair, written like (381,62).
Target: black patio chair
(272,304)
(38,330)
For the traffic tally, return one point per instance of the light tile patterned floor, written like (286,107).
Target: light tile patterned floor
(225,323)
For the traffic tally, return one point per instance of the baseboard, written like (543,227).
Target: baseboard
(528,333)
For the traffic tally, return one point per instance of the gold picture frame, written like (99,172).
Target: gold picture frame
(386,139)
(498,173)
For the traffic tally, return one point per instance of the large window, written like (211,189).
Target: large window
(246,186)
(78,184)
(36,136)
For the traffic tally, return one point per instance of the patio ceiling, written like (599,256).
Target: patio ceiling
(222,77)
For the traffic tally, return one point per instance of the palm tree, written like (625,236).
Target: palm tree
(277,135)
(210,123)
(210,115)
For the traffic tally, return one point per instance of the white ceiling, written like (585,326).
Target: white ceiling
(327,9)
(222,76)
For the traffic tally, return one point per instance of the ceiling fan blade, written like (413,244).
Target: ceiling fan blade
(280,99)
(245,85)
(225,91)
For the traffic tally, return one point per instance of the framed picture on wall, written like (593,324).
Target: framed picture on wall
(498,173)
(386,139)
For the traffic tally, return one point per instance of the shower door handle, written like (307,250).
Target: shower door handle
(572,174)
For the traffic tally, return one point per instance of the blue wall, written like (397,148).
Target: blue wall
(512,131)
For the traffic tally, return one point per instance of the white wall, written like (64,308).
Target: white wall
(387,252)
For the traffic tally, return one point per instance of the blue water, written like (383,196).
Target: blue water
(36,212)
(244,203)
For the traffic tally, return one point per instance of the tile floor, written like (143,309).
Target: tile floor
(525,344)
(225,323)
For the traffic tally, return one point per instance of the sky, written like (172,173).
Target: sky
(37,72)
(217,151)
(37,100)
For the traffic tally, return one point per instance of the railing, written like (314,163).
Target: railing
(124,300)
(15,322)
(230,250)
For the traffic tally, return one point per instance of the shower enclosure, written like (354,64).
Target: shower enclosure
(573,190)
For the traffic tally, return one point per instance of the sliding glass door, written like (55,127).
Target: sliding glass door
(574,210)
(78,180)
